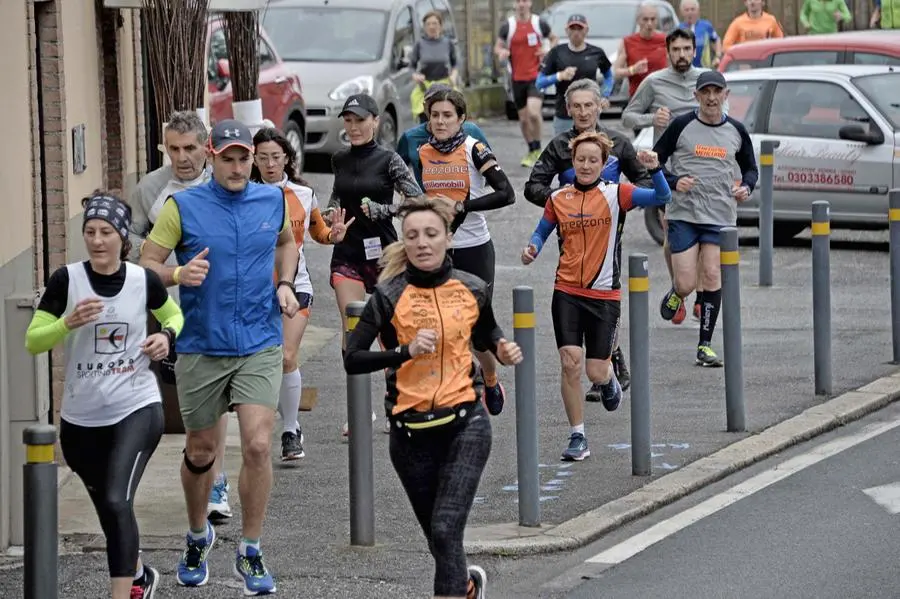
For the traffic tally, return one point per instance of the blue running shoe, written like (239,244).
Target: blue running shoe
(251,570)
(218,508)
(577,449)
(494,398)
(192,570)
(611,394)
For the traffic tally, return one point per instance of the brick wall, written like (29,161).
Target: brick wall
(112,122)
(36,192)
(141,120)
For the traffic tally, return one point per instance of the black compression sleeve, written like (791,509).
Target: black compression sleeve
(157,295)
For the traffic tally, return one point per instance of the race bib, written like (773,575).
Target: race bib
(373,248)
(532,39)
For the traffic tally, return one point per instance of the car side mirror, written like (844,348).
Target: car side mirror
(872,136)
(403,60)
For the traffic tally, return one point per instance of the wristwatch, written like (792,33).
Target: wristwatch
(170,333)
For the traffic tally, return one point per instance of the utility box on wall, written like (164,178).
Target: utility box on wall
(24,401)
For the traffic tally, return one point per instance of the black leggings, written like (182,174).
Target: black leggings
(110,461)
(440,471)
(479,261)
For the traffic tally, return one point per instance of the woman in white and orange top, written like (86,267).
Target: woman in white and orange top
(275,162)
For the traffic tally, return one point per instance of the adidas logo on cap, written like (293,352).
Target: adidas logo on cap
(353,102)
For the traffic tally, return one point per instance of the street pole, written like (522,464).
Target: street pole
(639,350)
(359,422)
(526,409)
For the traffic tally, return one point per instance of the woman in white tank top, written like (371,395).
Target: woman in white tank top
(111,418)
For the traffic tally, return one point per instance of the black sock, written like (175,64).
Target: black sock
(698,298)
(534,145)
(709,314)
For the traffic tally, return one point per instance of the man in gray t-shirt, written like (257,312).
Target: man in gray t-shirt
(700,152)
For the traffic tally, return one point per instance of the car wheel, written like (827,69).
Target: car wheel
(653,221)
(783,233)
(387,131)
(511,113)
(295,137)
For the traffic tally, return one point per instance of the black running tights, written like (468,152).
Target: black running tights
(440,471)
(110,460)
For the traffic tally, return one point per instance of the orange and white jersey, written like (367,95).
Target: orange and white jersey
(457,175)
(303,208)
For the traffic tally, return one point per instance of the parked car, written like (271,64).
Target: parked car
(877,46)
(609,22)
(344,47)
(839,134)
(279,89)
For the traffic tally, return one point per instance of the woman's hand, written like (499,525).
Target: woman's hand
(509,352)
(87,310)
(424,343)
(338,226)
(648,159)
(418,77)
(529,254)
(156,346)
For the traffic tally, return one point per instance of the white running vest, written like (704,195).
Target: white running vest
(107,376)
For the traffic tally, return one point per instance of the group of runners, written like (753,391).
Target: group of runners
(225,225)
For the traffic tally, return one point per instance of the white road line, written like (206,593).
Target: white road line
(656,533)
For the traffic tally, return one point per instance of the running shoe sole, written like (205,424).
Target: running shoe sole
(150,592)
(249,592)
(568,458)
(478,573)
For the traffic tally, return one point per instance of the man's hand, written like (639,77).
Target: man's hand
(288,301)
(740,193)
(661,117)
(567,74)
(194,272)
(156,346)
(685,184)
(503,54)
(640,67)
(338,226)
(508,352)
(87,310)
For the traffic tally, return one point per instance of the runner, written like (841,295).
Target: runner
(112,418)
(589,215)
(366,175)
(583,100)
(416,137)
(463,172)
(755,24)
(664,94)
(641,53)
(434,60)
(520,41)
(229,235)
(824,16)
(275,162)
(184,138)
(709,46)
(703,150)
(570,62)
(440,438)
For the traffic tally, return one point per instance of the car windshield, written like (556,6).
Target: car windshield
(321,34)
(881,90)
(606,20)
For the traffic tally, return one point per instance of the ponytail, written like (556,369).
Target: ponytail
(393,261)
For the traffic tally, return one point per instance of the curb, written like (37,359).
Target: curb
(590,526)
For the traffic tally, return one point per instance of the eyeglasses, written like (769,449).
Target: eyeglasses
(269,159)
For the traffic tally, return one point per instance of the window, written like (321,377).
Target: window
(326,34)
(745,65)
(404,36)
(868,58)
(802,59)
(266,55)
(881,90)
(812,109)
(742,101)
(447,16)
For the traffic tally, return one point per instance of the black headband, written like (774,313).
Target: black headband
(111,210)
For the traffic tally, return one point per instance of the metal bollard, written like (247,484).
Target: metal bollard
(821,267)
(362,468)
(766,210)
(729,259)
(639,352)
(894,219)
(41,509)
(526,409)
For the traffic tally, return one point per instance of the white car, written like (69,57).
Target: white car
(839,133)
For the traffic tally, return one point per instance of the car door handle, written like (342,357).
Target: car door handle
(280,79)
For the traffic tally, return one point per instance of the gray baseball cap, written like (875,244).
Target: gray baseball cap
(230,133)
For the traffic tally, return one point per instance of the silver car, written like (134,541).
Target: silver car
(839,133)
(344,47)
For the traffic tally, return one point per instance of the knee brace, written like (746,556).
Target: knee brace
(194,468)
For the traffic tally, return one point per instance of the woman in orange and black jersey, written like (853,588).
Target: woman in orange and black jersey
(427,313)
(590,216)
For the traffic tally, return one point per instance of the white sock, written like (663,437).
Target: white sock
(245,543)
(139,575)
(578,428)
(289,400)
(200,535)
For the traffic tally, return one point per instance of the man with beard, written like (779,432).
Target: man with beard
(663,95)
(583,100)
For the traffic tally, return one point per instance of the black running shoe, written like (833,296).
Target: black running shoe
(620,369)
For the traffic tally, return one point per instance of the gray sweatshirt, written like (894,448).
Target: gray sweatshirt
(434,58)
(711,155)
(662,89)
(142,199)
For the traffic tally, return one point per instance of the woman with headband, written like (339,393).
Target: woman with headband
(111,419)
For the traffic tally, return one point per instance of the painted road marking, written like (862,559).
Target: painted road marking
(656,533)
(887,496)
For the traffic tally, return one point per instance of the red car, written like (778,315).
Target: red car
(873,47)
(279,88)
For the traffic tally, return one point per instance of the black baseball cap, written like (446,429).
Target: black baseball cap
(708,78)
(361,105)
(577,19)
(230,133)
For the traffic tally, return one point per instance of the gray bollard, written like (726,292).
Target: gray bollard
(40,507)
(894,219)
(639,352)
(729,259)
(526,409)
(766,210)
(821,267)
(362,468)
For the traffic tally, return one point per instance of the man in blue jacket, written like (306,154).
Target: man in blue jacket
(229,236)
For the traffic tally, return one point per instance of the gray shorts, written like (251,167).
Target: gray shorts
(209,385)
